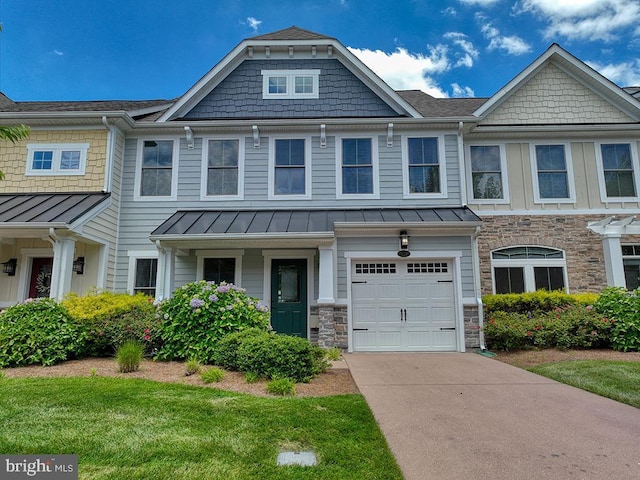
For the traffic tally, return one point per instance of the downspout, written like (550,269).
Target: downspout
(108,167)
(463,172)
(478,294)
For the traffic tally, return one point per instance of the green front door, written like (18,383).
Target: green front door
(289,297)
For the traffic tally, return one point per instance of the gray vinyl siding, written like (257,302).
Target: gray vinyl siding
(341,94)
(418,243)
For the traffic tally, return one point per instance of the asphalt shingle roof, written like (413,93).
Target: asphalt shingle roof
(432,107)
(292,33)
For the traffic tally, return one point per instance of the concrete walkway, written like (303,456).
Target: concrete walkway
(465,416)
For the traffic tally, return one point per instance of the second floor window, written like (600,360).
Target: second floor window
(57,159)
(552,172)
(617,166)
(424,165)
(357,166)
(289,167)
(486,172)
(222,167)
(290,84)
(156,176)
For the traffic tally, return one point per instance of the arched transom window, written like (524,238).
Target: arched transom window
(528,268)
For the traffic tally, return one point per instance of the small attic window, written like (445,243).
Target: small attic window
(290,84)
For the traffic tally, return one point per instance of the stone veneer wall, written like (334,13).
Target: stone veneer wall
(332,326)
(471,327)
(583,248)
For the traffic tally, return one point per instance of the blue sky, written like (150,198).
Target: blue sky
(148,49)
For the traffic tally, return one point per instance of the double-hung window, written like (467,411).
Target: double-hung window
(487,173)
(156,170)
(424,171)
(358,167)
(290,168)
(146,270)
(528,268)
(617,165)
(57,159)
(290,84)
(222,168)
(553,176)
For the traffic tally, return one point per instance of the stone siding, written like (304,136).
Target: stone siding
(332,326)
(471,327)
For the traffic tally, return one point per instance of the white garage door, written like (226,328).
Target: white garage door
(403,306)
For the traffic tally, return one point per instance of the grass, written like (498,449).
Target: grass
(138,429)
(617,380)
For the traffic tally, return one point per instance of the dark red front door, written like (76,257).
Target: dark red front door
(40,283)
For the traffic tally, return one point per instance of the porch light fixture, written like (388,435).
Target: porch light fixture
(404,244)
(78,266)
(9,267)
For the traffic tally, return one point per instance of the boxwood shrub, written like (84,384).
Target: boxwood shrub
(38,331)
(111,319)
(199,314)
(534,302)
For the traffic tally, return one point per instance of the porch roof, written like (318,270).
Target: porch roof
(216,223)
(46,209)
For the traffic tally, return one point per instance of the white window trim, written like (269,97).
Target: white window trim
(57,149)
(528,265)
(134,256)
(235,254)
(375,139)
(570,178)
(290,76)
(633,146)
(503,174)
(442,164)
(272,195)
(205,169)
(174,171)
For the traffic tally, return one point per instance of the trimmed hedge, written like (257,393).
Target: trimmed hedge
(533,302)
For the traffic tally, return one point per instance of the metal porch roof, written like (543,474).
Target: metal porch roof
(238,222)
(44,208)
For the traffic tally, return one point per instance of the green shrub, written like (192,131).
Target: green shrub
(282,386)
(192,366)
(333,354)
(111,318)
(211,375)
(249,377)
(38,331)
(572,326)
(129,355)
(623,309)
(226,351)
(533,302)
(201,313)
(271,355)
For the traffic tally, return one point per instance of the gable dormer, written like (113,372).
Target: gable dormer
(291,73)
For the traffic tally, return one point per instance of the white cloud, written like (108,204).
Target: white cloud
(585,19)
(407,71)
(511,44)
(462,92)
(480,3)
(626,74)
(253,23)
(469,51)
(58,53)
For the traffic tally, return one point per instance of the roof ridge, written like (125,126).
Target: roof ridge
(292,33)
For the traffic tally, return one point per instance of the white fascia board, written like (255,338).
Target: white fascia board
(148,110)
(242,236)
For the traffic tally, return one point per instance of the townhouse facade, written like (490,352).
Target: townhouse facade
(366,218)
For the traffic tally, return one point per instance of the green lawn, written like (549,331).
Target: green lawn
(613,379)
(138,429)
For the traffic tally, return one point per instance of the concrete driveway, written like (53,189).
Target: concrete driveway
(465,416)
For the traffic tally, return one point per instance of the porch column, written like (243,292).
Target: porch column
(326,275)
(165,274)
(63,251)
(613,260)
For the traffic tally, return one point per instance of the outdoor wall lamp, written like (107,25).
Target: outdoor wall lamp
(78,265)
(404,244)
(9,267)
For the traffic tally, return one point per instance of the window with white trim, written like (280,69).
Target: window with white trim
(552,172)
(527,269)
(223,164)
(156,170)
(219,270)
(57,158)
(357,167)
(423,165)
(146,270)
(487,172)
(289,172)
(631,265)
(618,165)
(290,84)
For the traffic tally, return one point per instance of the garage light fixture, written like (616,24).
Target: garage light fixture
(404,244)
(9,267)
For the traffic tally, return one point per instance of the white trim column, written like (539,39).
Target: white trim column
(63,251)
(326,275)
(613,265)
(166,272)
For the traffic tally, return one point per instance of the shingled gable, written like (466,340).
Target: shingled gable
(572,67)
(284,41)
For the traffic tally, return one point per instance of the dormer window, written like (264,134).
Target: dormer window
(290,84)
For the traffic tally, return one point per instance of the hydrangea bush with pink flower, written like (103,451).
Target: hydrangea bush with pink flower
(201,313)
